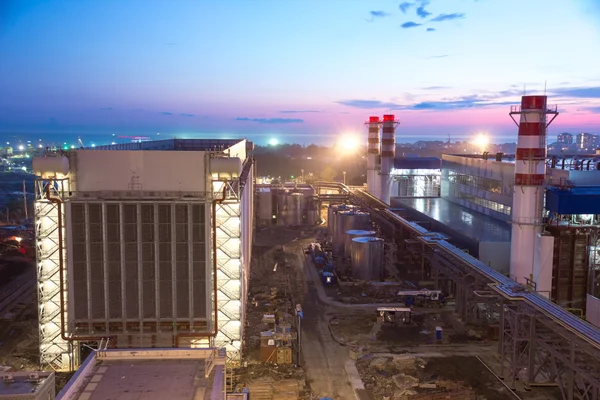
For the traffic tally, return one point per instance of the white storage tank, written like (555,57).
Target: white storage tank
(351,234)
(367,258)
(50,166)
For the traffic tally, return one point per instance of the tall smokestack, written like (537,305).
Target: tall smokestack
(388,151)
(528,206)
(373,159)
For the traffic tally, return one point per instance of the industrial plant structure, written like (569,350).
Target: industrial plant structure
(143,245)
(531,217)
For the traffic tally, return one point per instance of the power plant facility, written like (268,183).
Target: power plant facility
(143,245)
(170,252)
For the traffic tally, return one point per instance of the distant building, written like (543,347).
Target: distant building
(587,141)
(565,138)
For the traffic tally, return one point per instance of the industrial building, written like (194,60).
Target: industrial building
(176,374)
(143,245)
(504,209)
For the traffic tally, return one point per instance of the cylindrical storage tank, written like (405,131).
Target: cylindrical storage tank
(351,234)
(357,220)
(265,207)
(331,215)
(312,210)
(290,207)
(51,166)
(350,220)
(367,258)
(297,205)
(225,168)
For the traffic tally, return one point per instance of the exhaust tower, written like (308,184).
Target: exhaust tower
(388,152)
(530,175)
(373,156)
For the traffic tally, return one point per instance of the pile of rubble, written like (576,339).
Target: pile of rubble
(401,377)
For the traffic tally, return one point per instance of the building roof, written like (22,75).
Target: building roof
(417,163)
(472,224)
(173,144)
(26,385)
(577,200)
(174,374)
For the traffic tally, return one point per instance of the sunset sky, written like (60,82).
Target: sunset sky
(295,68)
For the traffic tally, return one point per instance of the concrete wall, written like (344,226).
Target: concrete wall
(97,170)
(592,313)
(496,255)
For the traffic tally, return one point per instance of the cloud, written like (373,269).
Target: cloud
(166,113)
(187,115)
(473,101)
(430,29)
(271,120)
(378,14)
(435,87)
(298,111)
(405,6)
(438,56)
(591,92)
(448,17)
(409,24)
(421,11)
(106,108)
(369,104)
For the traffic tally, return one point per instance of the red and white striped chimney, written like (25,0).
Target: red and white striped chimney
(388,152)
(373,153)
(528,195)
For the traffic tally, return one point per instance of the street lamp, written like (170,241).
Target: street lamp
(344,172)
(302,172)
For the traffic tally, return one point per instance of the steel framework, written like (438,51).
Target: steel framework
(539,342)
(56,352)
(229,268)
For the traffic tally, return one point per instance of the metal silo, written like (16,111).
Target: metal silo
(367,258)
(333,208)
(312,211)
(351,234)
(265,207)
(345,221)
(290,208)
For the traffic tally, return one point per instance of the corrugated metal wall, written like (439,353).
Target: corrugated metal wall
(570,269)
(136,262)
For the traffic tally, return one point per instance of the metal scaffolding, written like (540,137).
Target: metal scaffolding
(56,352)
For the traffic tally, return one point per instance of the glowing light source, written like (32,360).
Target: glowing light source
(348,143)
(21,147)
(273,142)
(481,141)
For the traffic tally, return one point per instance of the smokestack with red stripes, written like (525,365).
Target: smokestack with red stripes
(388,152)
(528,196)
(373,156)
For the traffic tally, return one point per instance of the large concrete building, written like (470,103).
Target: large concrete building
(143,245)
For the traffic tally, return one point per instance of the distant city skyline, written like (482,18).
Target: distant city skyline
(292,69)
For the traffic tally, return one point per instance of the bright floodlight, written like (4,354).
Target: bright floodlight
(481,141)
(348,143)
(21,147)
(273,142)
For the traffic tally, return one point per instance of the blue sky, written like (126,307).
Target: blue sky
(293,67)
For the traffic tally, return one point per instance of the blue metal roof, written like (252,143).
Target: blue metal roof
(417,163)
(577,200)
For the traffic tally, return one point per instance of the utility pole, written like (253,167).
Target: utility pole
(25,200)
